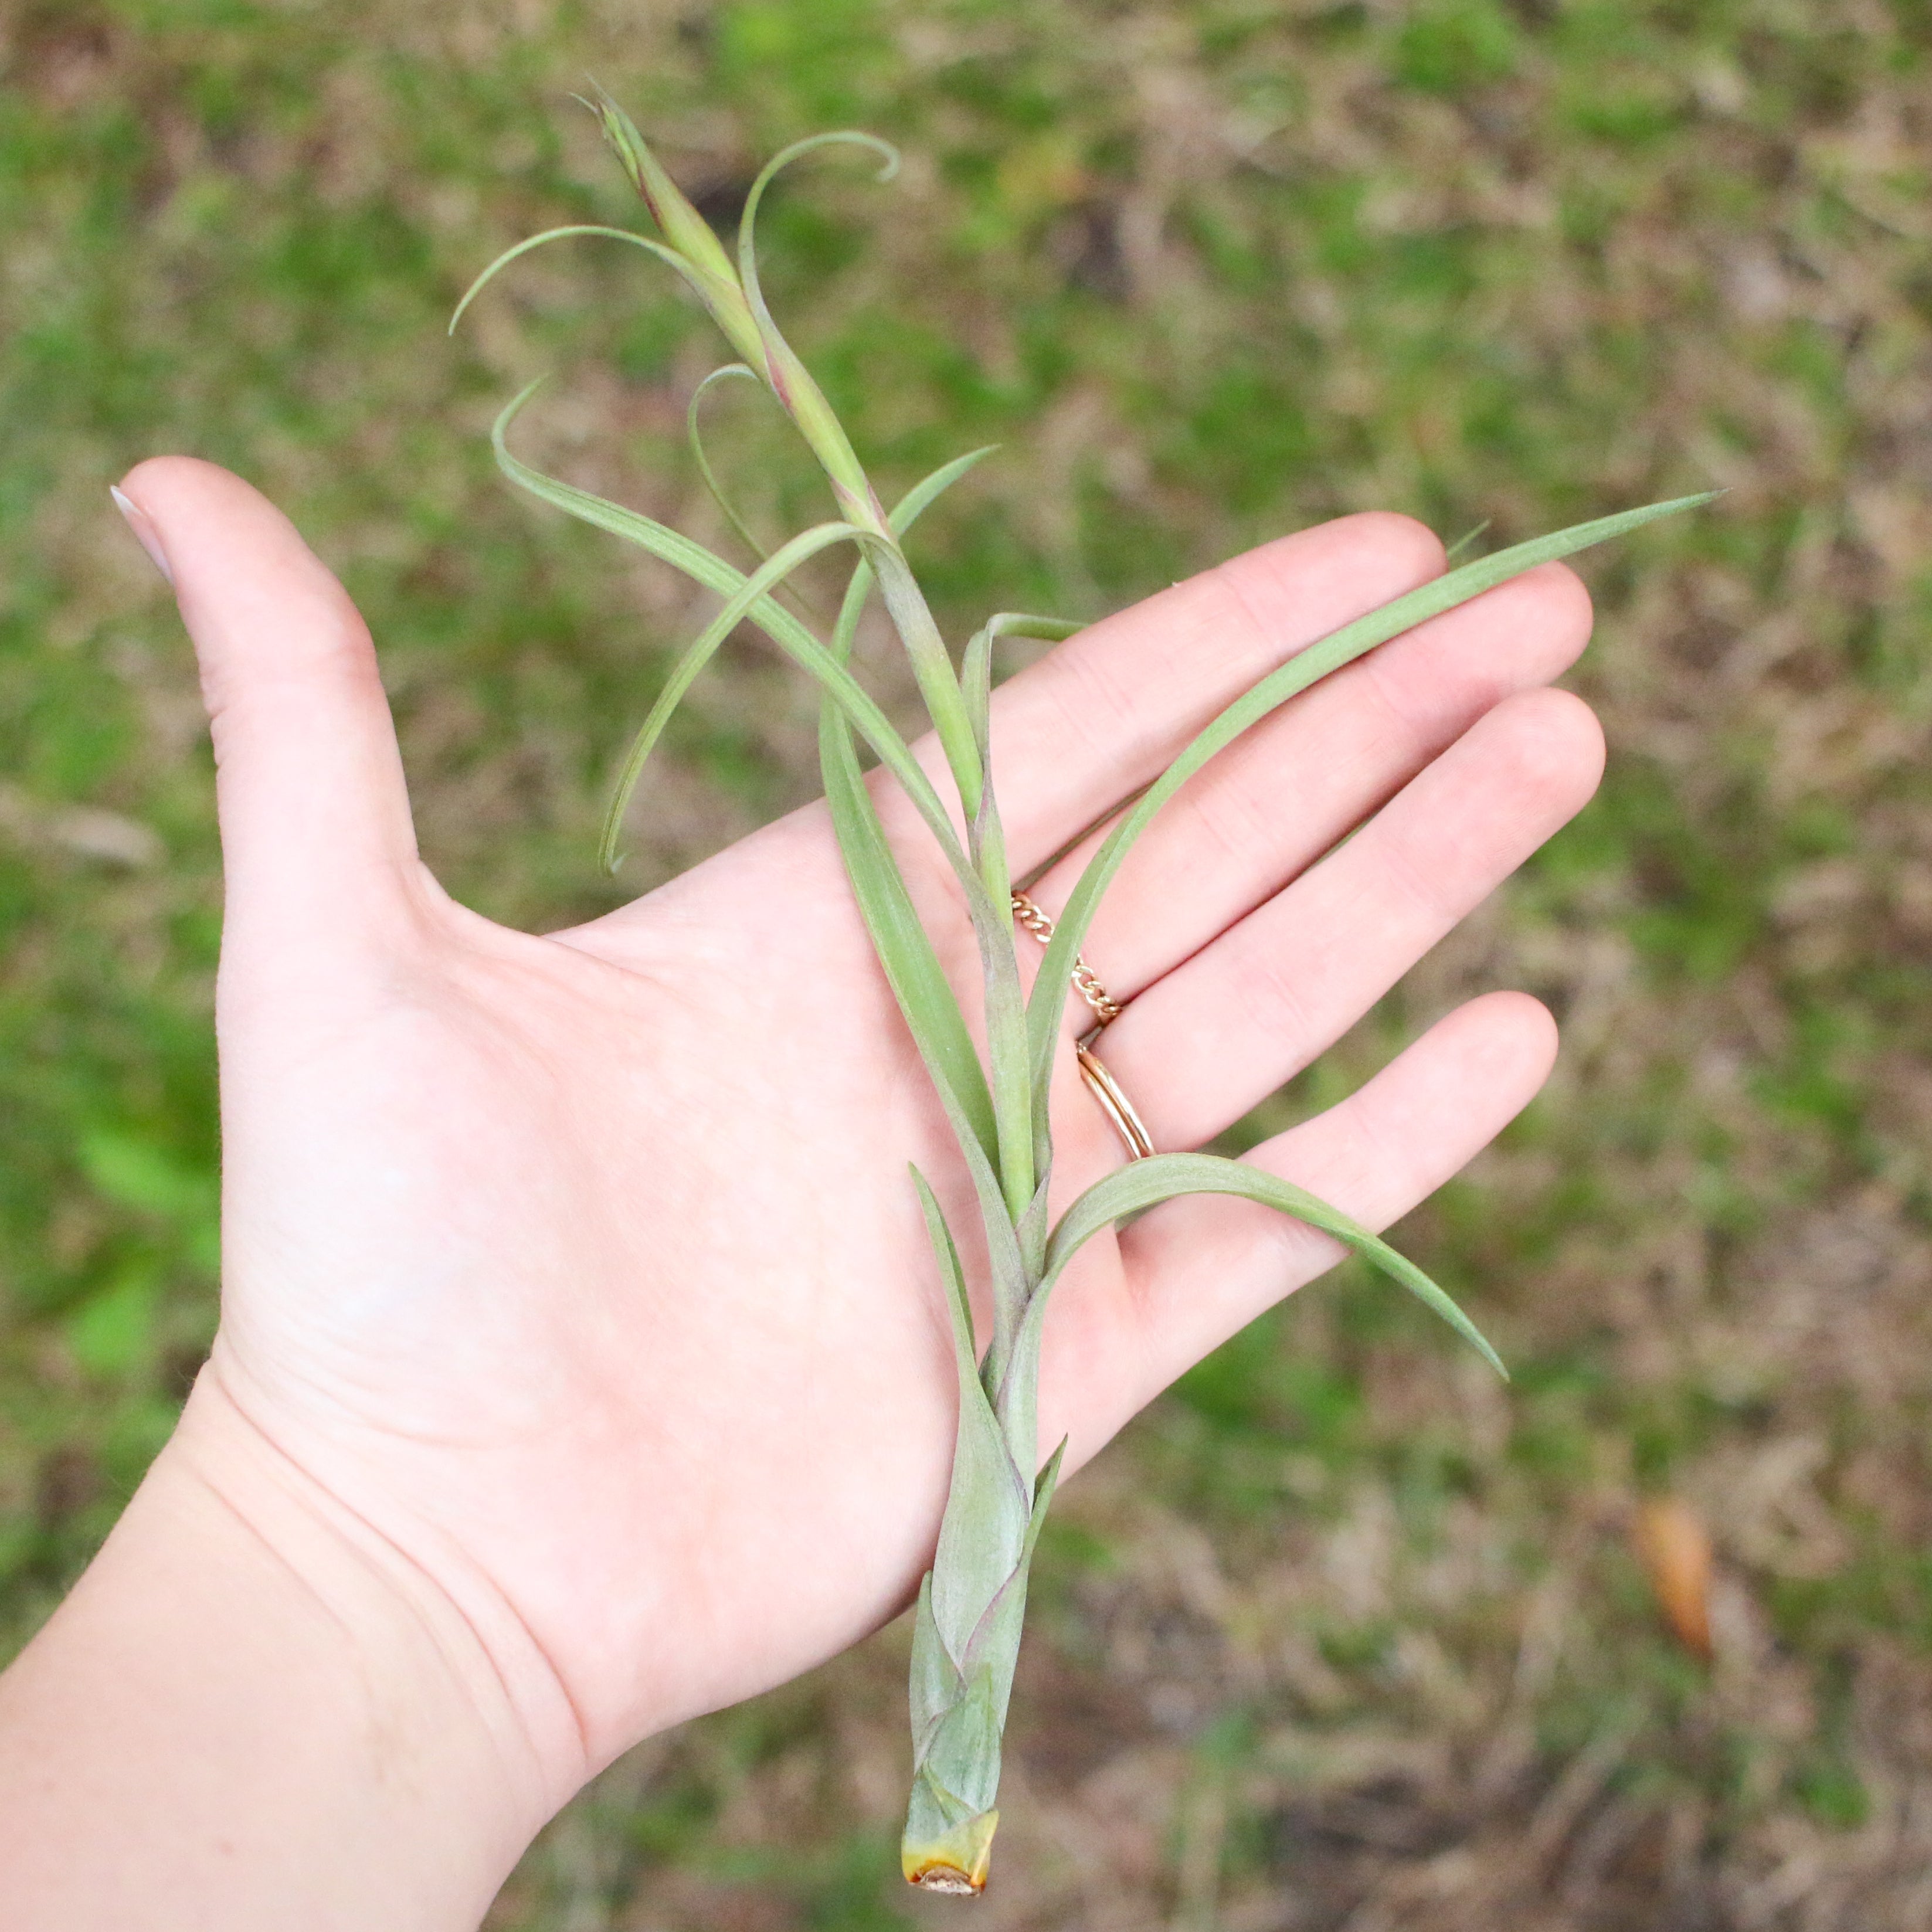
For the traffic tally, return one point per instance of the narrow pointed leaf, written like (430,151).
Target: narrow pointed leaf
(791,381)
(936,1684)
(996,1643)
(682,553)
(1031,1230)
(925,493)
(964,1757)
(696,439)
(1340,647)
(683,227)
(1024,1148)
(778,624)
(664,255)
(1005,1002)
(905,954)
(976,685)
(1006,1051)
(705,264)
(1026,1144)
(1142,1184)
(904,949)
(738,606)
(905,513)
(952,1276)
(931,667)
(987,1509)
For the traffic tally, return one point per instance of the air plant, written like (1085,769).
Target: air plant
(972,1602)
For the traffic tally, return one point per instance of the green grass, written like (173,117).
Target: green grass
(1210,271)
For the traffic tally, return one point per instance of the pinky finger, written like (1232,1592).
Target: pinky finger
(1201,1267)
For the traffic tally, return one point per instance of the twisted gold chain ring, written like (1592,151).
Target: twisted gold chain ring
(1086,982)
(1101,1084)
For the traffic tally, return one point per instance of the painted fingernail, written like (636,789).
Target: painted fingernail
(138,522)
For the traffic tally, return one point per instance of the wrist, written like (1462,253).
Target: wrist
(254,1709)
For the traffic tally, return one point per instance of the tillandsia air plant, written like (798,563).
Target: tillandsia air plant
(971,1603)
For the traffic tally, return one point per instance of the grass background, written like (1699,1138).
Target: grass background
(1340,1635)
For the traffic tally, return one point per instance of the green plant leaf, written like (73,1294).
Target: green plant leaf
(932,667)
(963,1759)
(988,1507)
(919,982)
(935,1684)
(778,624)
(730,371)
(904,949)
(682,226)
(988,846)
(738,606)
(1025,1149)
(791,381)
(704,263)
(682,553)
(905,513)
(1142,1184)
(905,954)
(1030,1231)
(996,1643)
(1340,647)
(669,257)
(1005,1002)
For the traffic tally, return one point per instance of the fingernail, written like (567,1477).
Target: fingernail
(138,522)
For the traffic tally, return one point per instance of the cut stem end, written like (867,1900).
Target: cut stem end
(957,1861)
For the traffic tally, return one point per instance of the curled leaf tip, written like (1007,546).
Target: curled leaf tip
(890,159)
(500,429)
(740,371)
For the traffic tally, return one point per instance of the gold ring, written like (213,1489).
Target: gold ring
(1085,982)
(1101,1084)
(1115,1105)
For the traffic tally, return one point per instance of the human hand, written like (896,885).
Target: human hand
(583,1271)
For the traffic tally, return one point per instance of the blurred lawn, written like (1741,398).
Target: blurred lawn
(1341,1634)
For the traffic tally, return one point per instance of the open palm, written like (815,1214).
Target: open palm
(586,1270)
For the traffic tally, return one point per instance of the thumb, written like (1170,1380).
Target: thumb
(316,835)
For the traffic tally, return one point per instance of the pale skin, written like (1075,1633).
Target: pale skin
(582,1364)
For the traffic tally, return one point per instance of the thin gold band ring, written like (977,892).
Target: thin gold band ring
(1119,1110)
